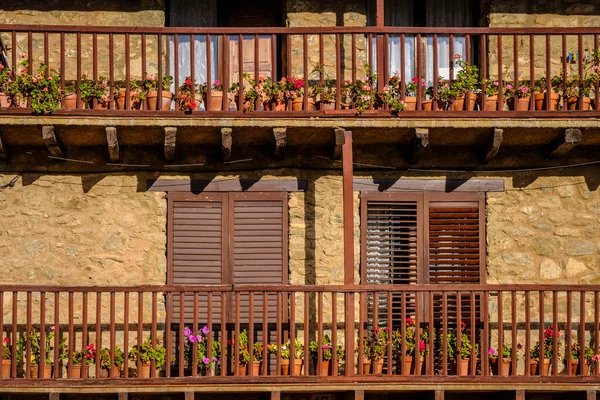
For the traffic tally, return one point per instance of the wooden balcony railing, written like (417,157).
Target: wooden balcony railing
(330,58)
(350,320)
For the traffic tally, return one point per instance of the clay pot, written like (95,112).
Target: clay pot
(584,368)
(534,367)
(216,101)
(459,104)
(76,372)
(409,366)
(490,103)
(464,367)
(152,100)
(197,99)
(242,369)
(70,102)
(377,366)
(120,100)
(427,105)
(4,103)
(325,106)
(410,103)
(256,368)
(298,104)
(366,367)
(279,106)
(521,105)
(285,367)
(324,368)
(540,101)
(144,371)
(506,366)
(46,371)
(573,104)
(298,367)
(6,364)
(116,372)
(7,101)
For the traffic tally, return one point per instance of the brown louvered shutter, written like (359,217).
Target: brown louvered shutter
(259,247)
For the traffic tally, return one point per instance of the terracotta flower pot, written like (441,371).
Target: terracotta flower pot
(460,103)
(377,366)
(256,367)
(324,368)
(120,100)
(45,373)
(298,104)
(116,372)
(197,98)
(70,102)
(279,106)
(298,366)
(242,369)
(144,371)
(464,367)
(521,105)
(540,101)
(4,103)
(7,101)
(573,104)
(285,366)
(76,372)
(534,367)
(409,366)
(490,103)
(584,368)
(319,105)
(152,100)
(6,364)
(366,366)
(506,366)
(215,103)
(410,103)
(427,105)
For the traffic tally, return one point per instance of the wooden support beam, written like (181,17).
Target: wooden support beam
(519,395)
(564,143)
(339,141)
(280,135)
(189,395)
(3,154)
(226,143)
(54,396)
(113,144)
(51,141)
(591,395)
(123,395)
(348,221)
(439,395)
(493,145)
(275,395)
(418,143)
(170,139)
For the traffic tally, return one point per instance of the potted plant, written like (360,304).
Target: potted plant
(411,346)
(576,361)
(506,361)
(410,92)
(205,361)
(517,97)
(326,354)
(7,357)
(257,356)
(324,92)
(34,340)
(146,353)
(284,354)
(136,96)
(252,91)
(244,353)
(44,92)
(85,356)
(364,91)
(460,357)
(490,89)
(215,102)
(12,85)
(106,369)
(189,99)
(6,78)
(293,90)
(549,338)
(99,90)
(152,86)
(580,88)
(375,346)
(446,95)
(465,83)
(69,97)
(542,89)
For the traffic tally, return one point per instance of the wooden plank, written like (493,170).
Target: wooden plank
(418,143)
(564,143)
(519,395)
(113,143)
(226,143)
(492,146)
(170,141)
(429,185)
(280,135)
(188,396)
(51,141)
(339,141)
(123,395)
(233,185)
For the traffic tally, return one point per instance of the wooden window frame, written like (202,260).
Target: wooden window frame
(423,199)
(227,200)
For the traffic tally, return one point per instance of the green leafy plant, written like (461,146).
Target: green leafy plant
(200,340)
(7,349)
(491,87)
(119,358)
(325,347)
(187,95)
(466,347)
(411,339)
(364,91)
(285,350)
(151,83)
(467,78)
(548,345)
(588,352)
(35,341)
(91,89)
(147,353)
(252,91)
(375,344)
(507,351)
(44,88)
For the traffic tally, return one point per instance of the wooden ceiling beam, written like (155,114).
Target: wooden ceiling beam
(226,143)
(280,135)
(339,141)
(418,143)
(564,143)
(52,142)
(113,144)
(170,142)
(492,146)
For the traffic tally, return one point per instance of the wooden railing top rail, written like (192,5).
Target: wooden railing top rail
(299,30)
(301,288)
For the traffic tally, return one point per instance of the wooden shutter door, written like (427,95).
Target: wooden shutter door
(259,247)
(391,238)
(455,248)
(197,248)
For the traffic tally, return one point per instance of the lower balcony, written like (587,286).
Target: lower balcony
(298,338)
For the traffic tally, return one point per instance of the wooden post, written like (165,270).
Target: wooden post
(379,17)
(348,205)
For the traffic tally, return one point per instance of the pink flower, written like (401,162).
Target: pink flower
(52,328)
(422,346)
(34,80)
(415,80)
(205,361)
(205,330)
(217,83)
(45,90)
(409,321)
(198,338)
(187,331)
(6,340)
(192,338)
(457,56)
(509,86)
(22,55)
(1,66)
(491,351)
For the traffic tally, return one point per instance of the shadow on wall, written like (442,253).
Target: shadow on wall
(88,5)
(562,7)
